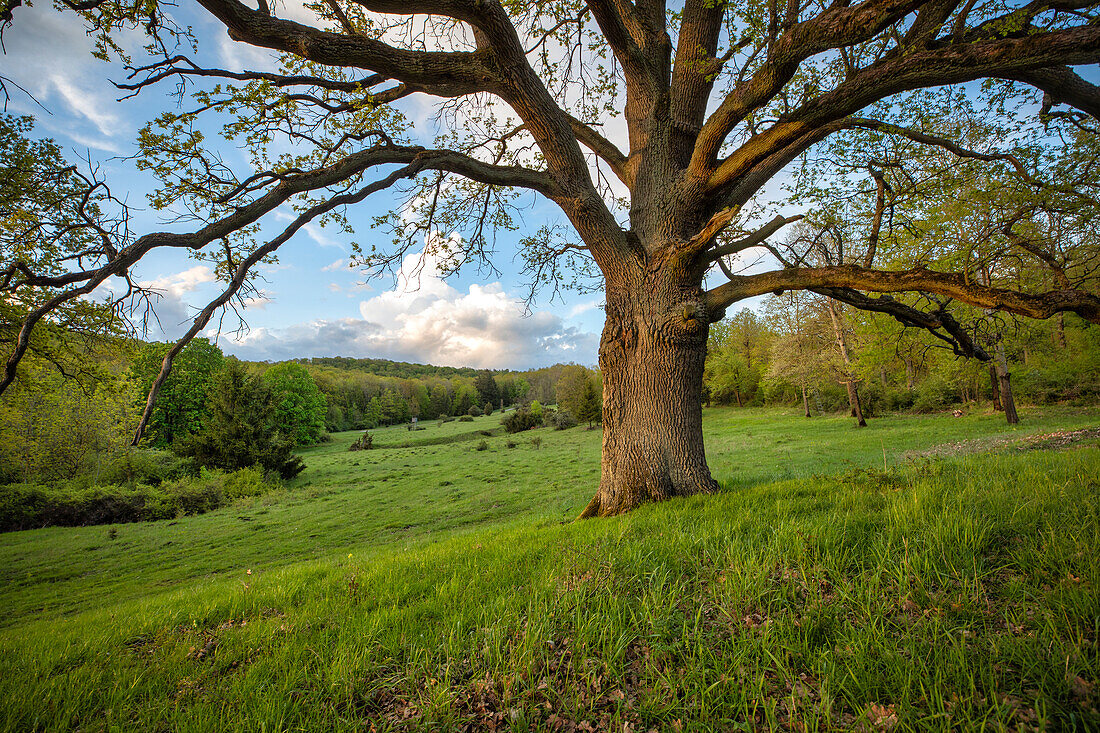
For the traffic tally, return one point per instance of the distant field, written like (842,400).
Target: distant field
(439,586)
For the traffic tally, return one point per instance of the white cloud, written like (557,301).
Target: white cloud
(178,283)
(582,308)
(425,319)
(341,264)
(85,105)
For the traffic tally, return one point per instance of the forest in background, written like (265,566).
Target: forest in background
(71,418)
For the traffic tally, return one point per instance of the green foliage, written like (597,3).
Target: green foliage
(57,428)
(300,408)
(934,394)
(738,348)
(591,404)
(69,504)
(241,430)
(563,420)
(48,214)
(569,388)
(181,407)
(488,391)
(363,442)
(131,466)
(522,419)
(475,411)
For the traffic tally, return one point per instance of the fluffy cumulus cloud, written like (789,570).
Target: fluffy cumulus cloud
(426,319)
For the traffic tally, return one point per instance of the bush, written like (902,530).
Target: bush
(244,483)
(520,420)
(475,411)
(364,442)
(65,504)
(934,394)
(563,420)
(483,445)
(145,466)
(509,444)
(465,418)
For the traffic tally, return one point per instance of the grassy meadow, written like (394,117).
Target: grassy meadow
(925,573)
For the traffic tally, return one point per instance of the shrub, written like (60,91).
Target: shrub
(475,411)
(246,482)
(483,445)
(465,418)
(145,466)
(510,444)
(520,420)
(933,394)
(66,504)
(563,420)
(536,442)
(365,441)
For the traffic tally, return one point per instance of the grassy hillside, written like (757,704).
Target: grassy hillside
(439,586)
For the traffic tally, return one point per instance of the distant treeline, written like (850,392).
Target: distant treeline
(359,398)
(387,368)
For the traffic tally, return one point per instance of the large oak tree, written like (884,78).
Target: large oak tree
(716,99)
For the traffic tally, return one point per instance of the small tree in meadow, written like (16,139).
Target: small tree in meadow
(241,429)
(591,404)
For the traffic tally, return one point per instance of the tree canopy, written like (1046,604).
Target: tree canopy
(654,129)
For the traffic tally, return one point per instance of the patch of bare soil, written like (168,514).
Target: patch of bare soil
(1057,440)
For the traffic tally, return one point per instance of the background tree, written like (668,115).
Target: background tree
(241,430)
(299,406)
(590,409)
(50,215)
(56,428)
(737,353)
(717,98)
(182,405)
(487,389)
(569,389)
(799,342)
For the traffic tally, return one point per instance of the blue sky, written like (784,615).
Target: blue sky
(312,304)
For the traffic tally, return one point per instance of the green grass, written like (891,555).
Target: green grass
(438,586)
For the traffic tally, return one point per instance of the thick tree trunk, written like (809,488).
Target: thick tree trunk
(805,401)
(651,357)
(1005,378)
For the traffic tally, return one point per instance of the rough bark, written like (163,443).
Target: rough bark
(652,355)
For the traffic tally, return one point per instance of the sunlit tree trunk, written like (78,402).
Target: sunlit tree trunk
(652,355)
(849,375)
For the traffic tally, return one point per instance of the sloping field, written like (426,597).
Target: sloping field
(444,587)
